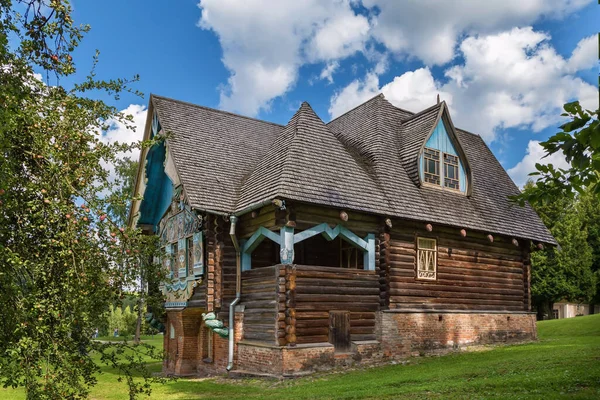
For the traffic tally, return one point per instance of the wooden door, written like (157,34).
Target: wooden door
(339,330)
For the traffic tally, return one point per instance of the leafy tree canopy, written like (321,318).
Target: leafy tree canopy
(579,141)
(65,256)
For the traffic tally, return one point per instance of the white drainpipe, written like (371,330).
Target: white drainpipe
(238,290)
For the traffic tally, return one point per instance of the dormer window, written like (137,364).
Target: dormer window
(440,163)
(432,166)
(451,171)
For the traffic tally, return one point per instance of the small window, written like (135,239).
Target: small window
(174,269)
(190,256)
(431,170)
(451,171)
(426,258)
(172,332)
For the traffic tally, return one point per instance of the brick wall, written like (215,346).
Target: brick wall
(414,333)
(186,353)
(399,335)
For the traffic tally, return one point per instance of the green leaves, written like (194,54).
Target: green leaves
(62,264)
(579,141)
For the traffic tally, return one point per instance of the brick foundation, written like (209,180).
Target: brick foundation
(415,333)
(187,353)
(399,335)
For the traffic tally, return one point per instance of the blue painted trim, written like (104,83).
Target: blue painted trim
(246,258)
(176,304)
(258,236)
(440,140)
(330,234)
(249,245)
(369,255)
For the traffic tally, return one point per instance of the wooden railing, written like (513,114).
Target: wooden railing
(290,304)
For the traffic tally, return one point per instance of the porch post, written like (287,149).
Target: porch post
(369,254)
(246,257)
(287,245)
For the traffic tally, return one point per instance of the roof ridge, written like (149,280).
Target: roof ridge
(213,109)
(422,112)
(465,131)
(399,108)
(354,108)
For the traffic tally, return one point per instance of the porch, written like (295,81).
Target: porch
(289,305)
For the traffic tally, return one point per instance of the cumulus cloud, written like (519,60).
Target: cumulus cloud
(535,153)
(585,55)
(412,91)
(512,79)
(429,30)
(329,70)
(264,43)
(119,132)
(357,92)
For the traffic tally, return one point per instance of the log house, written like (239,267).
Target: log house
(379,235)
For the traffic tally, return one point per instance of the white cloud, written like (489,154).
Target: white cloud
(535,153)
(415,91)
(512,79)
(412,91)
(429,30)
(118,132)
(329,70)
(264,43)
(357,92)
(585,55)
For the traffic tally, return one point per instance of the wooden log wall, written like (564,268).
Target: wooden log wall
(220,261)
(308,216)
(263,295)
(321,289)
(198,299)
(472,273)
(267,216)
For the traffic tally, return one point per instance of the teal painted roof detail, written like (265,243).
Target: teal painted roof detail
(159,188)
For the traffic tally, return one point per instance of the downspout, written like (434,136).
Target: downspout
(238,290)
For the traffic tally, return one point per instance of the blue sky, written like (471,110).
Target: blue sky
(504,67)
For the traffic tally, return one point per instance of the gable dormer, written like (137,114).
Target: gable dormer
(441,164)
(431,152)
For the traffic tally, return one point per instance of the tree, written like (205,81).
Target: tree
(562,273)
(590,204)
(579,141)
(122,195)
(119,204)
(63,260)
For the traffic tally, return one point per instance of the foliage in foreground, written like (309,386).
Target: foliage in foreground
(63,259)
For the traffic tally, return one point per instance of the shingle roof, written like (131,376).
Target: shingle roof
(364,160)
(413,133)
(213,150)
(307,163)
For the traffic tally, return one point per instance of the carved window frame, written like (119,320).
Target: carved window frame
(451,162)
(426,258)
(431,177)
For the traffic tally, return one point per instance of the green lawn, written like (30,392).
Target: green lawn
(565,363)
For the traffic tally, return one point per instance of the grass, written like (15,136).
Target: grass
(564,363)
